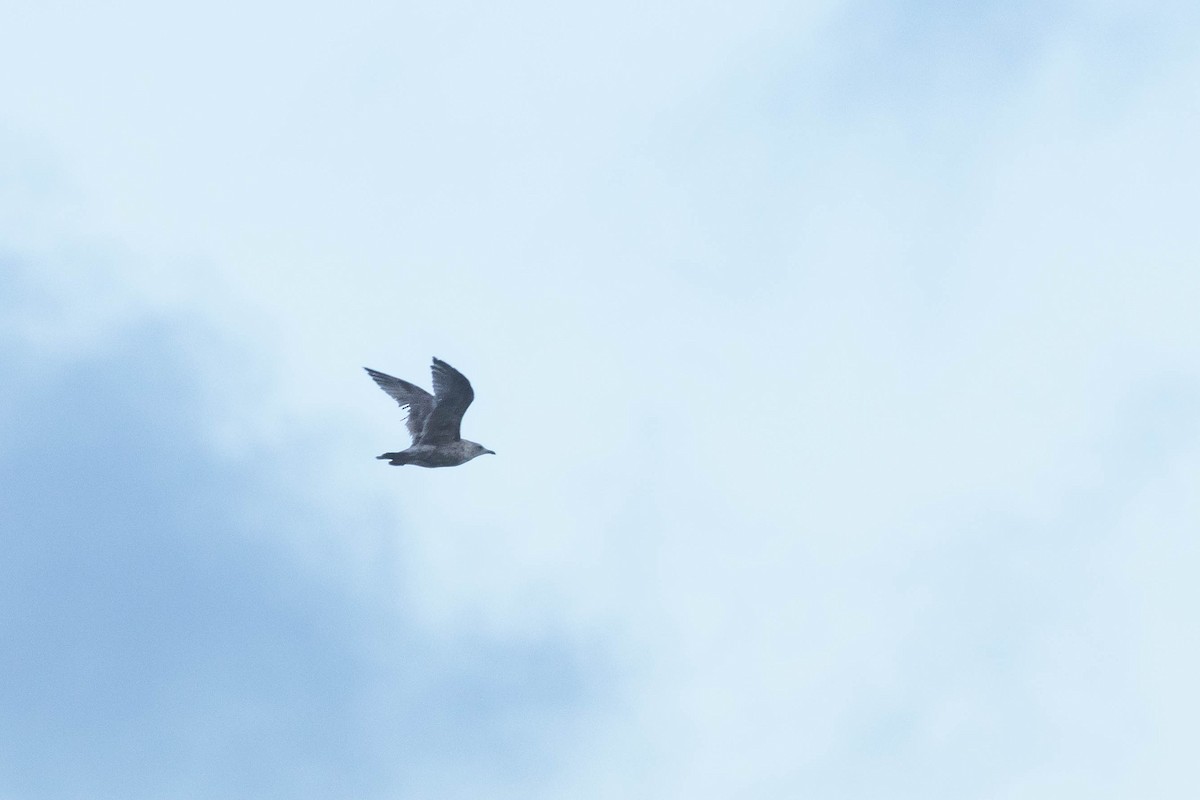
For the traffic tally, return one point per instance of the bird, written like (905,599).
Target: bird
(433,419)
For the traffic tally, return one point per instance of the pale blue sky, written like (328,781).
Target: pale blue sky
(841,359)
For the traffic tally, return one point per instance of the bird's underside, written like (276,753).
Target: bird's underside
(424,455)
(434,420)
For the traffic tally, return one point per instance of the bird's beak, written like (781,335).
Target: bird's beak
(490,452)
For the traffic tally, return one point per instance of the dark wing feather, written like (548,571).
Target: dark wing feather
(452,394)
(418,402)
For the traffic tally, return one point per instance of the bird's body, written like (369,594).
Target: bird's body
(433,419)
(443,455)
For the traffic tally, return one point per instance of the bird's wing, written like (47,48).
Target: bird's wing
(415,400)
(452,394)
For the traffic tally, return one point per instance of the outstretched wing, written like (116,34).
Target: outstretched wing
(452,394)
(415,400)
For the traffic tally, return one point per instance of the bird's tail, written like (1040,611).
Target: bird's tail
(395,459)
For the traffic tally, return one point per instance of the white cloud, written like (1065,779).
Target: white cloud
(772,374)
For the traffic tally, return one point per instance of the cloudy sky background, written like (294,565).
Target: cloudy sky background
(841,359)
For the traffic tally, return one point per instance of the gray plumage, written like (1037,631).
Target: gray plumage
(434,420)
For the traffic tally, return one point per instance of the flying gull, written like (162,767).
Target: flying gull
(433,419)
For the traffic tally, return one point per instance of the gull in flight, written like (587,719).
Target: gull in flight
(433,419)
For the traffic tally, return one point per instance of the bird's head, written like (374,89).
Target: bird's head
(475,449)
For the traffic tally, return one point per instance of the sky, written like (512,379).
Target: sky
(841,360)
